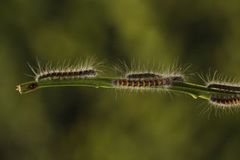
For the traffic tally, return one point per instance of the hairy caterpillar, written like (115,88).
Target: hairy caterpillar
(146,80)
(73,71)
(224,87)
(144,75)
(141,82)
(65,74)
(225,101)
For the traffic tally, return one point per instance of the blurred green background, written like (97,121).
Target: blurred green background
(100,124)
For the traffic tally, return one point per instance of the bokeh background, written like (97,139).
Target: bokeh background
(101,124)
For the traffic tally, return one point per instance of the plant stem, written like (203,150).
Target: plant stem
(195,90)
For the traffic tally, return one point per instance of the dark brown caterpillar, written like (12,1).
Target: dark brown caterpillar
(143,75)
(66,74)
(139,83)
(147,80)
(225,101)
(224,87)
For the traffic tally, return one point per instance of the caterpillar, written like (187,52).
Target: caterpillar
(142,83)
(65,74)
(70,71)
(143,75)
(149,75)
(146,82)
(224,87)
(225,101)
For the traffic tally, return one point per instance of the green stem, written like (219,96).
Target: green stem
(195,90)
